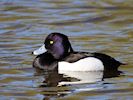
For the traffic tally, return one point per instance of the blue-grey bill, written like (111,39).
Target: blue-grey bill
(39,51)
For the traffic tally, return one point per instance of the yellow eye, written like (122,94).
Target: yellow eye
(51,42)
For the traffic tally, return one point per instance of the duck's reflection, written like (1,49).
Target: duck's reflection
(55,84)
(54,78)
(82,77)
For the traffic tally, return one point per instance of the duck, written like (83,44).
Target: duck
(57,53)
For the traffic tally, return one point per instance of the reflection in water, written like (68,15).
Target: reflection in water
(53,78)
(83,77)
(65,81)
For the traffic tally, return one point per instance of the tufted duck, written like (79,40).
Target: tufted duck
(57,53)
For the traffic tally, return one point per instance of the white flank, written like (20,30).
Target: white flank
(39,51)
(86,64)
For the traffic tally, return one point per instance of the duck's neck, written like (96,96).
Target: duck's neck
(68,51)
(70,48)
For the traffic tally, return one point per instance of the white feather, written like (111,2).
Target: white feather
(86,64)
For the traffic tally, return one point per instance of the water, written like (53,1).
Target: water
(92,25)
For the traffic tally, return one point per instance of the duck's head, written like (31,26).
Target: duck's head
(56,44)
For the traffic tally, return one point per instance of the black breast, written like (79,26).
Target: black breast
(45,61)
